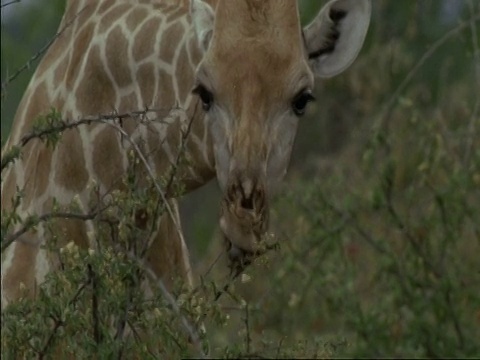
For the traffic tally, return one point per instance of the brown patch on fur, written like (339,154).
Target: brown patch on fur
(135,18)
(129,103)
(70,230)
(145,39)
(37,172)
(44,162)
(22,269)
(113,15)
(73,18)
(175,14)
(116,50)
(38,103)
(95,93)
(166,95)
(168,45)
(165,255)
(83,14)
(61,70)
(71,8)
(70,169)
(54,52)
(146,81)
(106,157)
(80,47)
(106,5)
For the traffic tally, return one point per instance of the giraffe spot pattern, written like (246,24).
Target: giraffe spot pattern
(22,268)
(95,96)
(144,42)
(71,172)
(112,15)
(167,46)
(117,49)
(80,47)
(106,157)
(135,18)
(147,81)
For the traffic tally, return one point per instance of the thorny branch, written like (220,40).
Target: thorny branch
(59,322)
(173,172)
(190,330)
(95,317)
(150,173)
(34,221)
(248,339)
(9,3)
(388,108)
(29,63)
(63,125)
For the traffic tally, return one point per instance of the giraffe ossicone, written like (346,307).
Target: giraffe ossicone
(251,68)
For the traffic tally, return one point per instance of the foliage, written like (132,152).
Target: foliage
(379,230)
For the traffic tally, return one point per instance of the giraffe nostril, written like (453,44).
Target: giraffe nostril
(245,194)
(247,203)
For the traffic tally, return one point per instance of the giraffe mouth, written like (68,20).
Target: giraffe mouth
(243,230)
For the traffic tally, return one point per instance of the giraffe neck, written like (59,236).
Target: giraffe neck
(142,56)
(111,56)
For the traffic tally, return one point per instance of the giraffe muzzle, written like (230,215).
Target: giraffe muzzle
(244,216)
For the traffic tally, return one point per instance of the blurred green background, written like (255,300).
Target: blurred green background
(379,215)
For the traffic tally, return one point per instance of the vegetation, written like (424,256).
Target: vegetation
(378,226)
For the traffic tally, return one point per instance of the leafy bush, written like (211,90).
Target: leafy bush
(379,234)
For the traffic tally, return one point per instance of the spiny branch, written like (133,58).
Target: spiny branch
(9,3)
(62,125)
(29,63)
(387,109)
(189,329)
(34,221)
(150,173)
(59,322)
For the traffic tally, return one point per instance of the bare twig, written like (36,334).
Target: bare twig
(248,339)
(63,125)
(173,172)
(96,326)
(45,217)
(189,329)
(150,173)
(388,108)
(9,3)
(29,63)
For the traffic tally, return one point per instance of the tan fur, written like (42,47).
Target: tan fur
(125,55)
(79,81)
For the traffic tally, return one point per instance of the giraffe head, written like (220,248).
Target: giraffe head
(255,81)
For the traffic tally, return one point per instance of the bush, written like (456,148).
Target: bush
(379,234)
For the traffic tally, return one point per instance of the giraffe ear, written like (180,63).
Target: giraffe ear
(203,18)
(335,37)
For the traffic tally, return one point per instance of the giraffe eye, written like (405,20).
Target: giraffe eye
(299,103)
(206,96)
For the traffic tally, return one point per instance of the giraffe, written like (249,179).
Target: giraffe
(246,64)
